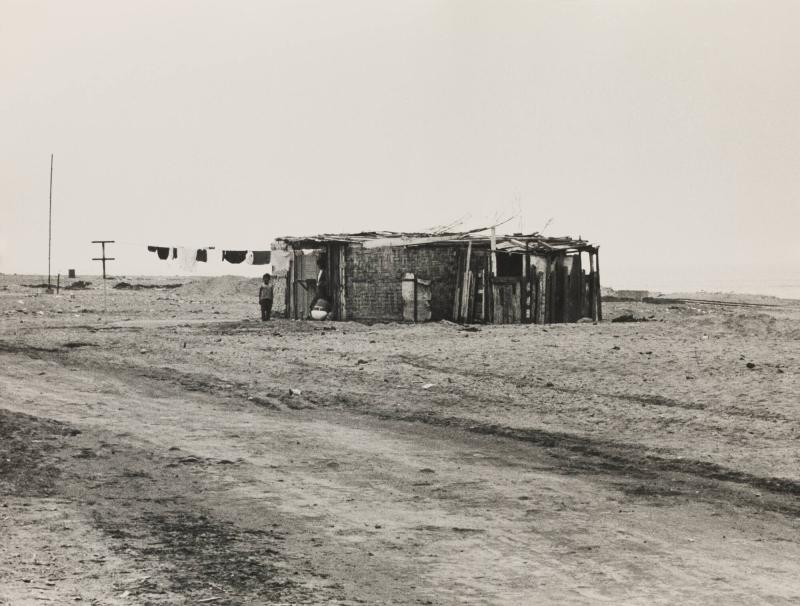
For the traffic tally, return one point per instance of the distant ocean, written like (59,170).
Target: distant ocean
(784,284)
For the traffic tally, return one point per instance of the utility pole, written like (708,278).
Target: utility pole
(50,227)
(103,258)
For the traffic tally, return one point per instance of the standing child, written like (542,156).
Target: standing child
(265,297)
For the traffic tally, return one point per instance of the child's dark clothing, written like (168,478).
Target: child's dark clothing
(265,300)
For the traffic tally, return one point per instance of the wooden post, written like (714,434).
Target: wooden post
(457,293)
(50,229)
(330,295)
(492,273)
(569,288)
(58,284)
(565,302)
(415,296)
(523,290)
(517,306)
(294,284)
(343,281)
(584,304)
(553,291)
(485,296)
(557,290)
(593,285)
(493,265)
(577,288)
(548,295)
(466,287)
(541,297)
(287,295)
(530,289)
(597,285)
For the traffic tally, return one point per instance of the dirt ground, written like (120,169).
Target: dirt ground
(163,446)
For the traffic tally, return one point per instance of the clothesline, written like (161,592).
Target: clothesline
(189,256)
(184,245)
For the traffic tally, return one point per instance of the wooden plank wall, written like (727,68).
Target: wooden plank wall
(508,295)
(288,294)
(334,280)
(473,293)
(555,288)
(300,291)
(559,288)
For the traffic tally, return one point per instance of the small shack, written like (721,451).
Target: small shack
(462,277)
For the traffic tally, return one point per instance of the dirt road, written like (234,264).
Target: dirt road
(165,462)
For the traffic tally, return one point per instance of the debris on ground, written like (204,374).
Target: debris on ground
(629,318)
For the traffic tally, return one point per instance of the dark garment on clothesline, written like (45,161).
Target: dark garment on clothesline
(261,257)
(162,251)
(234,256)
(202,255)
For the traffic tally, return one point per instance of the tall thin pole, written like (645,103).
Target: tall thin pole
(50,226)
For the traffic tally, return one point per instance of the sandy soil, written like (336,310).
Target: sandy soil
(162,446)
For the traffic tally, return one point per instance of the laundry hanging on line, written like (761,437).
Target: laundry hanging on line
(187,258)
(234,256)
(260,257)
(161,251)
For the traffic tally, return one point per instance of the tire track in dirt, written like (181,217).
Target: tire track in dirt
(187,550)
(611,457)
(646,399)
(667,476)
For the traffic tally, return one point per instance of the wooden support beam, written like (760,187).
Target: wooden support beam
(493,244)
(342,282)
(593,286)
(565,288)
(457,293)
(541,300)
(485,294)
(294,284)
(466,286)
(548,302)
(287,295)
(597,284)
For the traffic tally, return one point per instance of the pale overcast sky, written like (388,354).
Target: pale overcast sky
(668,132)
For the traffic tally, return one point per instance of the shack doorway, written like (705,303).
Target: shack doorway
(416,298)
(302,282)
(508,294)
